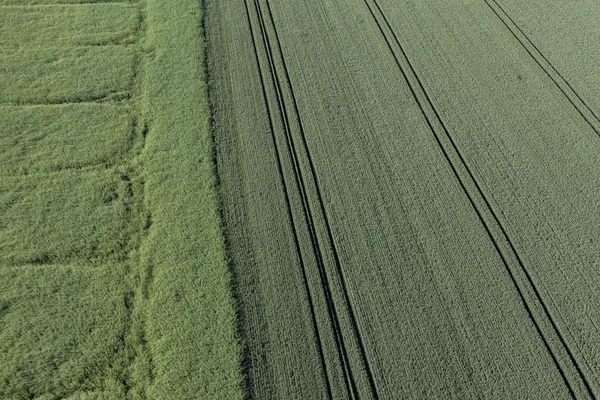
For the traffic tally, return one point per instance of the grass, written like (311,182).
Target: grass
(67,25)
(79,74)
(403,203)
(192,340)
(60,2)
(62,331)
(64,216)
(53,138)
(113,277)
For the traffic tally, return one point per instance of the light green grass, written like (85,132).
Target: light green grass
(68,25)
(38,139)
(66,75)
(62,331)
(55,2)
(113,279)
(189,310)
(70,215)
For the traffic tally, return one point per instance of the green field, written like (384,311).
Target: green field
(410,194)
(113,275)
(318,199)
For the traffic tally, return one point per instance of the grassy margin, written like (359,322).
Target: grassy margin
(190,332)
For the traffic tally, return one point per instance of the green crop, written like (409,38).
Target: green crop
(113,276)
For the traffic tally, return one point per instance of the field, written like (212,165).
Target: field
(113,277)
(270,199)
(410,195)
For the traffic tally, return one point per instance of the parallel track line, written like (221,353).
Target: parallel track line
(331,310)
(429,103)
(560,81)
(289,210)
(326,222)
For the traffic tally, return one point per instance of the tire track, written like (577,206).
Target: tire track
(331,241)
(424,102)
(341,345)
(590,117)
(309,222)
(289,210)
(560,81)
(349,382)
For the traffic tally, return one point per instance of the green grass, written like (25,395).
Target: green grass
(70,215)
(53,138)
(189,309)
(62,331)
(58,2)
(409,193)
(410,199)
(65,25)
(113,276)
(59,75)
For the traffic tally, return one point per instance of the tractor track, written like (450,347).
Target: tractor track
(289,209)
(424,102)
(352,390)
(592,119)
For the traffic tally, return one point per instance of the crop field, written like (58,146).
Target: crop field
(316,199)
(410,195)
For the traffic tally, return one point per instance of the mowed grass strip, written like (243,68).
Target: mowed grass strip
(62,331)
(84,74)
(65,216)
(51,138)
(68,25)
(190,314)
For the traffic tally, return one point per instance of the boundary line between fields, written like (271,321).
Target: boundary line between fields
(426,99)
(288,207)
(327,224)
(563,85)
(121,97)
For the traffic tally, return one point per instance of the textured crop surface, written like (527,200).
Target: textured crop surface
(411,195)
(315,199)
(113,275)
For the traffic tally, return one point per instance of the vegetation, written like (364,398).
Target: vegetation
(189,309)
(113,277)
(204,199)
(408,196)
(67,25)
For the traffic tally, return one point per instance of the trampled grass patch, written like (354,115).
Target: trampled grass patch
(53,75)
(68,25)
(63,331)
(66,216)
(49,138)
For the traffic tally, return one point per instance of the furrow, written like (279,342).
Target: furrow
(563,85)
(321,205)
(289,209)
(114,99)
(342,352)
(524,284)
